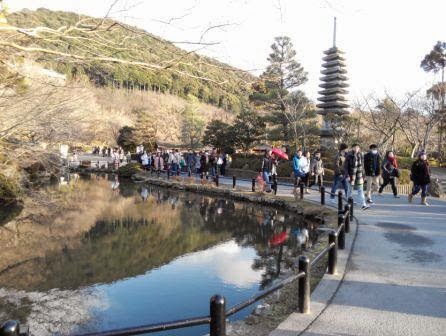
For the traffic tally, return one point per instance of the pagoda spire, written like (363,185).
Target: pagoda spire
(334,33)
(332,96)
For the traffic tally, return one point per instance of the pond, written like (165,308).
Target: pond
(92,255)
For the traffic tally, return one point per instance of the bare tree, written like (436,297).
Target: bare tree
(418,122)
(382,117)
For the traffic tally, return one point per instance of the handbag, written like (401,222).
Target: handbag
(396,173)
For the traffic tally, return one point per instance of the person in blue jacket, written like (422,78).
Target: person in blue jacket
(298,165)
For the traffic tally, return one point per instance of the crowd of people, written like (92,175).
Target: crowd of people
(352,169)
(116,153)
(203,163)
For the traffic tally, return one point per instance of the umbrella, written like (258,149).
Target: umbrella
(281,154)
(278,238)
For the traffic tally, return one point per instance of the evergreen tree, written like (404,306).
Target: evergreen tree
(219,134)
(193,123)
(282,75)
(248,128)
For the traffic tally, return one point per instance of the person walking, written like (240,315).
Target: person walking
(306,164)
(190,161)
(372,169)
(198,163)
(274,166)
(317,170)
(224,162)
(266,169)
(389,173)
(340,173)
(145,160)
(299,174)
(159,163)
(355,168)
(420,176)
(203,165)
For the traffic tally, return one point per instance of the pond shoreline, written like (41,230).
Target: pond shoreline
(304,208)
(279,305)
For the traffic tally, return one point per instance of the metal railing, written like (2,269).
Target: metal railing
(217,308)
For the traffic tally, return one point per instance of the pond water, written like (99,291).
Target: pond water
(124,255)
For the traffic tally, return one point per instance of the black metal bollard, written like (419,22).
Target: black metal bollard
(10,328)
(322,195)
(234,181)
(253,187)
(341,237)
(189,173)
(216,180)
(350,201)
(275,187)
(218,316)
(301,191)
(340,206)
(168,173)
(304,285)
(347,218)
(333,253)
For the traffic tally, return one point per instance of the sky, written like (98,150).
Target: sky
(384,41)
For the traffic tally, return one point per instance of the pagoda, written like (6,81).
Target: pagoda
(332,98)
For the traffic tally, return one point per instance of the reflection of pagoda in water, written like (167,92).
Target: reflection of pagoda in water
(332,96)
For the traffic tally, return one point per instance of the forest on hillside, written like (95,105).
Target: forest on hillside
(179,73)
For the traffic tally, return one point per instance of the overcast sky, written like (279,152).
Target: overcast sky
(384,40)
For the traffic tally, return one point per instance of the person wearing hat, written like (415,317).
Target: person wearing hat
(420,176)
(340,175)
(354,165)
(372,169)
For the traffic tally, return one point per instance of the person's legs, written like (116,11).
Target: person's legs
(266,179)
(424,194)
(369,180)
(334,187)
(385,183)
(394,190)
(416,188)
(347,187)
(361,195)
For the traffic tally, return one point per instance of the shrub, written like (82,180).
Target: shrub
(404,177)
(9,189)
(129,169)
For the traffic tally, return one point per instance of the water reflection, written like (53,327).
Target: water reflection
(145,249)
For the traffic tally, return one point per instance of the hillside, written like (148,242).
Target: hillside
(177,72)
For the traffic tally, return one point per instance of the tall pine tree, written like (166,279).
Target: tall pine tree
(283,74)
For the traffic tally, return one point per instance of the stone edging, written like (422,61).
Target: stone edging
(323,294)
(246,196)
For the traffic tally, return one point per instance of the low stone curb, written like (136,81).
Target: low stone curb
(247,196)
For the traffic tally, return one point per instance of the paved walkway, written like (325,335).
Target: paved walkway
(395,282)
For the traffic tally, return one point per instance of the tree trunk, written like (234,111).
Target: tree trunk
(414,148)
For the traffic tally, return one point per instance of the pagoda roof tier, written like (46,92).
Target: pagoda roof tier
(332,98)
(334,84)
(333,105)
(333,50)
(333,70)
(332,77)
(333,57)
(334,90)
(335,63)
(332,111)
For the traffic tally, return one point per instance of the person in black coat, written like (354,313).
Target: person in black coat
(420,176)
(372,170)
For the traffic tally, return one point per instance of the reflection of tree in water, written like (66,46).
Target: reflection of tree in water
(146,228)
